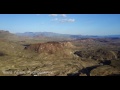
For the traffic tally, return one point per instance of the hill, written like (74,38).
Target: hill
(50,56)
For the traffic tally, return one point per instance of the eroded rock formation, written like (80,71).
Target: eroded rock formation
(99,54)
(49,47)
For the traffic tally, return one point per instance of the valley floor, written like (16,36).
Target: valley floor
(84,57)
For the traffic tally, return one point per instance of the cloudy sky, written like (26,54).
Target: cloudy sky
(84,24)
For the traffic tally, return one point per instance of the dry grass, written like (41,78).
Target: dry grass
(13,58)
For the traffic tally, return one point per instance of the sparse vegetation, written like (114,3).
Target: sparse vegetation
(61,58)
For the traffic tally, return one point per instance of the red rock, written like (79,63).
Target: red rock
(49,47)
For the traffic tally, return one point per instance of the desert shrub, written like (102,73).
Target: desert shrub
(2,54)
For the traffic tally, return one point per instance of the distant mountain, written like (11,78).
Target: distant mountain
(54,35)
(45,34)
(110,36)
(115,36)
(83,36)
(6,34)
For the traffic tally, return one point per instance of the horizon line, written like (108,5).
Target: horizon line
(61,33)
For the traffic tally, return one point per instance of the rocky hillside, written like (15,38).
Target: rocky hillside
(6,35)
(99,54)
(50,47)
(20,56)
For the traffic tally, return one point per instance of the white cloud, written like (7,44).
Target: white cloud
(63,19)
(63,15)
(54,15)
(55,19)
(67,20)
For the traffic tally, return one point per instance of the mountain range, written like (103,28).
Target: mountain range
(57,35)
(9,35)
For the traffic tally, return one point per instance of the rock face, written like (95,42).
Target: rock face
(105,70)
(49,47)
(99,54)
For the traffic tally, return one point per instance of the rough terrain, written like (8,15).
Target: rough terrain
(22,56)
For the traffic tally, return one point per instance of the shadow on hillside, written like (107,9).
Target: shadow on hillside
(105,62)
(114,75)
(84,71)
(25,45)
(87,70)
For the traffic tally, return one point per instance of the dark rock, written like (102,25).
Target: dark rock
(2,54)
(104,70)
(99,54)
(105,62)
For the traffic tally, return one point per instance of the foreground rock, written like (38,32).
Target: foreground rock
(105,70)
(99,54)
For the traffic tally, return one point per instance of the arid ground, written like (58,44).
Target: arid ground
(43,56)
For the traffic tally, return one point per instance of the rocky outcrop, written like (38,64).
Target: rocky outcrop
(2,54)
(99,54)
(105,70)
(49,47)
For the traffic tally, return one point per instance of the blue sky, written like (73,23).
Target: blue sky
(83,24)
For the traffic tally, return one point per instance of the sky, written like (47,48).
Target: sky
(77,24)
